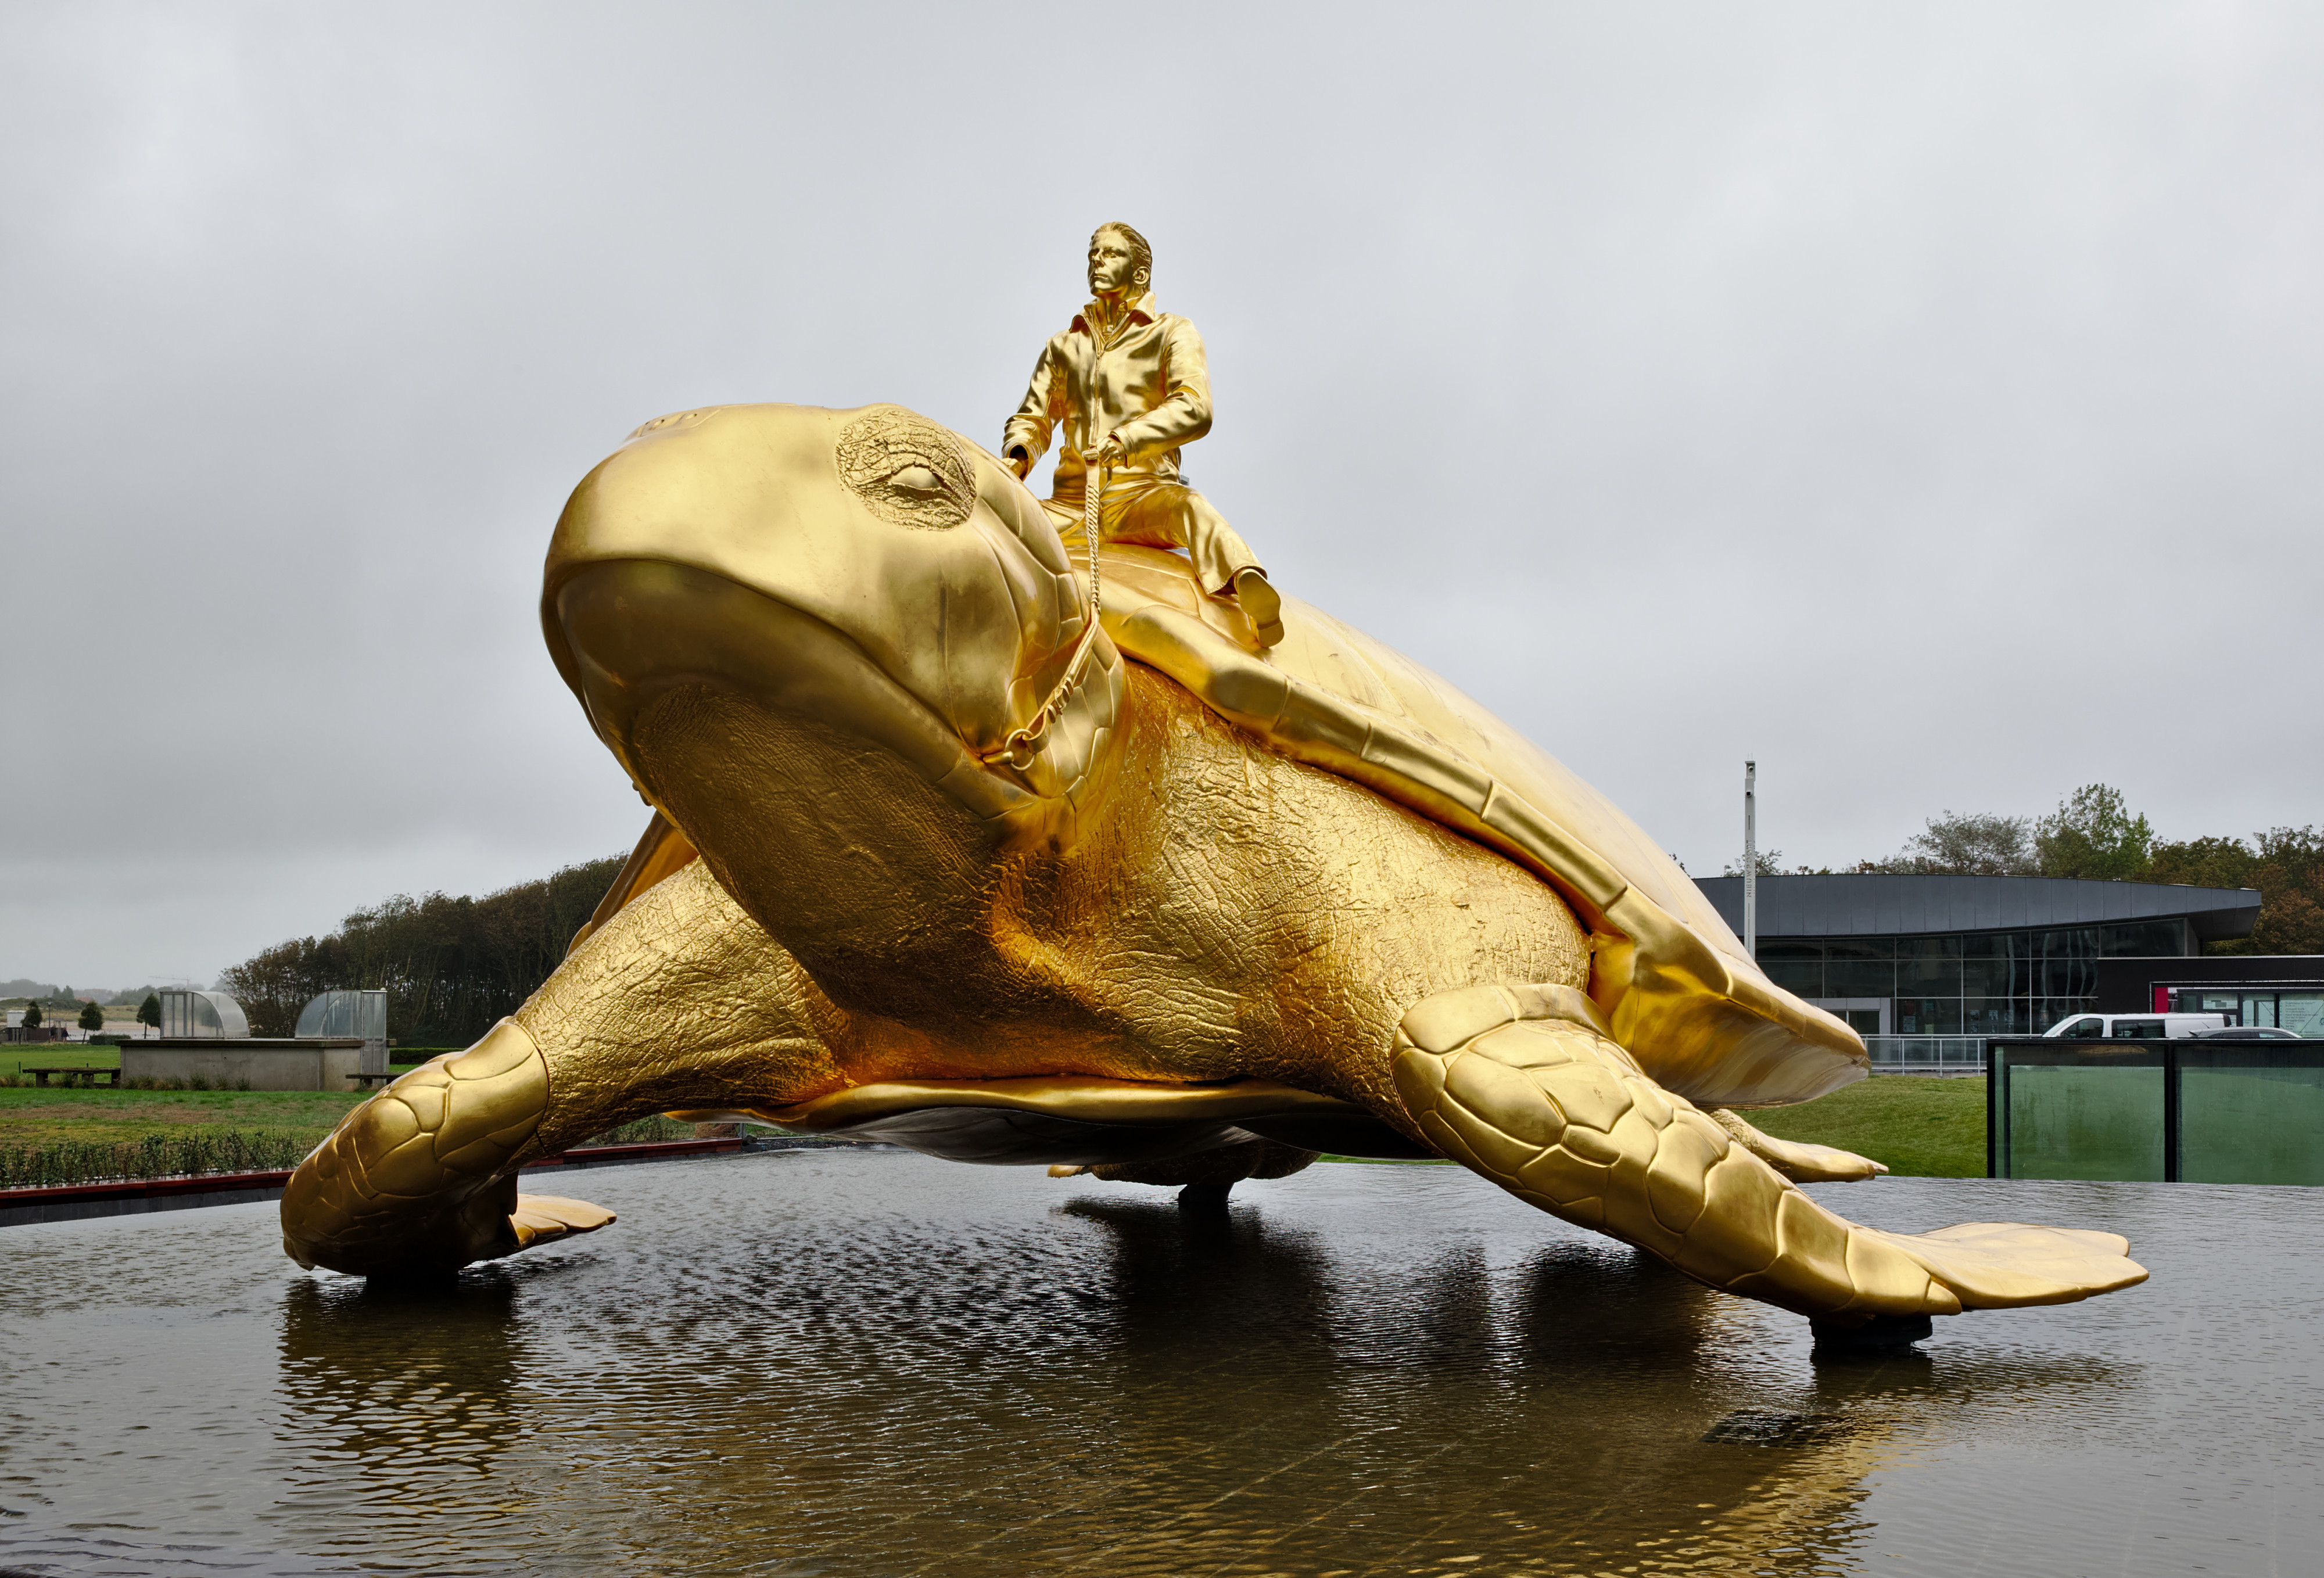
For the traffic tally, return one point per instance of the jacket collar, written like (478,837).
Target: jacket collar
(1141,310)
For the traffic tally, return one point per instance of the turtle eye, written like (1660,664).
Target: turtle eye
(907,469)
(915,479)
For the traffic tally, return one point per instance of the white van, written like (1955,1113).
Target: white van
(2136,1027)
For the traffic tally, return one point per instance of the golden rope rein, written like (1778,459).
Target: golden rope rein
(1025,743)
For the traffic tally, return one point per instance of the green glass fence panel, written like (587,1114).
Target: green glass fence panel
(2252,1115)
(2092,1115)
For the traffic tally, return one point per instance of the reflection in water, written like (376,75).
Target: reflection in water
(401,1373)
(877,1365)
(395,1404)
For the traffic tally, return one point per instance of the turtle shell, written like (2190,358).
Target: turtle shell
(1672,980)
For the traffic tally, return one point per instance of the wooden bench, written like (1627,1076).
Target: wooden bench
(40,1075)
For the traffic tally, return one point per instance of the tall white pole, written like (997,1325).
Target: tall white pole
(1751,859)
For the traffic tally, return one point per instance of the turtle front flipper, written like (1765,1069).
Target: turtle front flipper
(1525,1086)
(419,1179)
(679,1000)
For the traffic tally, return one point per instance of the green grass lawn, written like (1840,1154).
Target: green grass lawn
(1921,1128)
(1918,1128)
(32,1117)
(1927,1128)
(60,1054)
(37,1117)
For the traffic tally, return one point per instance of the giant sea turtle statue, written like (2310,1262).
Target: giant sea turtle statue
(984,877)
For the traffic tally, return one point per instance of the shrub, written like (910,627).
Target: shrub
(642,1131)
(189,1153)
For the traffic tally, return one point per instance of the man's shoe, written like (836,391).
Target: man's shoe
(1261,604)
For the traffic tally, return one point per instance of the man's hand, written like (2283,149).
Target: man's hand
(1110,453)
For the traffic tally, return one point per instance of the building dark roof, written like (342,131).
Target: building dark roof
(1892,906)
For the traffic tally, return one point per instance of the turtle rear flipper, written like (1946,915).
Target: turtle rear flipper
(1525,1086)
(543,1219)
(1801,1163)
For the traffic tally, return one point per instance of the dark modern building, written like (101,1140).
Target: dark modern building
(1913,955)
(2285,991)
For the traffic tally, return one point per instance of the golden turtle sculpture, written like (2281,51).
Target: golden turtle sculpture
(987,877)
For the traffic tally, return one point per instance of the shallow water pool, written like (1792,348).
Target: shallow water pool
(804,1362)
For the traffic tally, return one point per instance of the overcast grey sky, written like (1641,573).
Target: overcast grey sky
(1922,399)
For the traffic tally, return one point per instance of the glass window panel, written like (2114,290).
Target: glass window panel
(1859,978)
(2251,1113)
(2077,942)
(1994,1016)
(1928,947)
(2094,1114)
(2302,1011)
(1802,978)
(1997,945)
(2143,939)
(2065,977)
(1928,1016)
(1860,948)
(1789,950)
(1998,977)
(2259,1008)
(1929,975)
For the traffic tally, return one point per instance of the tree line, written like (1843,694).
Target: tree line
(451,967)
(2093,834)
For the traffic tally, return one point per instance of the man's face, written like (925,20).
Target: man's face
(1109,263)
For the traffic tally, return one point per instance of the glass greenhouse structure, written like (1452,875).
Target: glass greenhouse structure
(206,1015)
(361,1014)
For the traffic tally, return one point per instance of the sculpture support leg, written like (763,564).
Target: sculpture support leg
(1519,1085)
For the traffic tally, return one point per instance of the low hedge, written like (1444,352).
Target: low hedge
(157,1156)
(192,1152)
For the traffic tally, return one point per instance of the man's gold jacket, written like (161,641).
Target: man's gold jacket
(1142,379)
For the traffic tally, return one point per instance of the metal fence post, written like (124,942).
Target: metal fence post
(1992,1095)
(2170,1113)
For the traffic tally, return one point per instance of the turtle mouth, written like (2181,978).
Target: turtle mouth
(627,632)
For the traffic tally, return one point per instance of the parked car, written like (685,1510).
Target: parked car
(2136,1027)
(2250,1033)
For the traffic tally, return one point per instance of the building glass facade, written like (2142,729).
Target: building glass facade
(2300,1013)
(2015,982)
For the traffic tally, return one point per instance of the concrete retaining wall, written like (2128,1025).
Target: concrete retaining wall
(315,1064)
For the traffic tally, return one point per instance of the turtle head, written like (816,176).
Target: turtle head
(832,638)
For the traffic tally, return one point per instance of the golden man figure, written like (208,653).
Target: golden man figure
(1132,387)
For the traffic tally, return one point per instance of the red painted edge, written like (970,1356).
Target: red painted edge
(214,1183)
(590,1155)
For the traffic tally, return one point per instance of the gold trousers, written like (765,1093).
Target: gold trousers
(1136,506)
